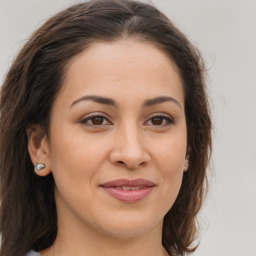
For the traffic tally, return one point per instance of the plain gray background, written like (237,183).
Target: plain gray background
(225,32)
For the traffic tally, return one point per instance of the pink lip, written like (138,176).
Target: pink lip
(115,189)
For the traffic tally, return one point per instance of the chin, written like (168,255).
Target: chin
(127,227)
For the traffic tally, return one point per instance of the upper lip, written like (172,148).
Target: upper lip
(128,183)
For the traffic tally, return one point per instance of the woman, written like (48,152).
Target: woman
(105,136)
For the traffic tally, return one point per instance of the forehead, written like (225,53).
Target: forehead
(124,67)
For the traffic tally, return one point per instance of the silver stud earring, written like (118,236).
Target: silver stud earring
(39,166)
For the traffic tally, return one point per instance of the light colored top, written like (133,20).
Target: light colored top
(32,253)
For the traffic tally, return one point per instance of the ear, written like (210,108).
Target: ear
(186,161)
(186,164)
(38,148)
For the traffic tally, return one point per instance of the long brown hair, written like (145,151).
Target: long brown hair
(28,216)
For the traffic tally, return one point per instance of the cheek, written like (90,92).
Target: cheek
(73,157)
(170,154)
(172,174)
(170,162)
(171,167)
(74,169)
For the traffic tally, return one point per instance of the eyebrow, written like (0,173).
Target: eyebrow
(159,100)
(98,99)
(111,102)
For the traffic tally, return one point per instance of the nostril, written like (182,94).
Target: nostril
(120,162)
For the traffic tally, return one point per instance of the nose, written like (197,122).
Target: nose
(129,149)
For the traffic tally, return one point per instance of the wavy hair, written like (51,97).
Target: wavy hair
(28,218)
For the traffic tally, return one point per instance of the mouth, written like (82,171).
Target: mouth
(129,190)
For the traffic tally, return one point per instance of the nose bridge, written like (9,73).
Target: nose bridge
(129,149)
(130,139)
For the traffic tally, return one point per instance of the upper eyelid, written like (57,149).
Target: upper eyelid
(93,114)
(168,118)
(159,114)
(88,117)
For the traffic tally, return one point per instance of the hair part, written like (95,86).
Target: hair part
(28,216)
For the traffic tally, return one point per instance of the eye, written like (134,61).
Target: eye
(95,120)
(160,120)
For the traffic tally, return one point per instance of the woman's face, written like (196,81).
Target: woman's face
(117,141)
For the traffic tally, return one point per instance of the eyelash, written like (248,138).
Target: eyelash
(168,120)
(90,117)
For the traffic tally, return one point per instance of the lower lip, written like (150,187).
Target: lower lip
(128,195)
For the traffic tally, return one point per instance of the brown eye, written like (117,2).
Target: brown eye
(158,120)
(97,120)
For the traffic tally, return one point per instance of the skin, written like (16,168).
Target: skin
(132,141)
